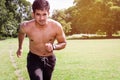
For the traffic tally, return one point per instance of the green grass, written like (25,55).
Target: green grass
(89,60)
(80,60)
(6,68)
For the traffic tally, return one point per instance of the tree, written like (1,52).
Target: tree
(60,16)
(12,13)
(81,15)
(110,19)
(3,16)
(90,16)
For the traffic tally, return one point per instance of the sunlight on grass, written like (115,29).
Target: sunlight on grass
(89,60)
(80,60)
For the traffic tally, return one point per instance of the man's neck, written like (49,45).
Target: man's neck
(41,26)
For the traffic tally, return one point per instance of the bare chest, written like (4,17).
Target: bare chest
(41,35)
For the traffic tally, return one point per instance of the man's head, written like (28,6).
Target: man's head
(40,5)
(40,11)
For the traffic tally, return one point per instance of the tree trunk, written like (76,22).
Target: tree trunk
(109,34)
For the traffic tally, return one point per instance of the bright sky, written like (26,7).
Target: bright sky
(58,4)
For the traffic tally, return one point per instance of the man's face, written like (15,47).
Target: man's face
(41,16)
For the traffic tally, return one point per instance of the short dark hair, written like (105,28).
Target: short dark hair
(40,5)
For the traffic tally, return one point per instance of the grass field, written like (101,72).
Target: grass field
(80,60)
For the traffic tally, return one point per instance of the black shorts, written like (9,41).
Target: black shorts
(39,67)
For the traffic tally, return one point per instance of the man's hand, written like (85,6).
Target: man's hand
(49,47)
(19,52)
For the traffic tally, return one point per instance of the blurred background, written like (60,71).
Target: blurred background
(79,18)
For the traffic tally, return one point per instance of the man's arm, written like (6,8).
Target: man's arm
(21,36)
(60,39)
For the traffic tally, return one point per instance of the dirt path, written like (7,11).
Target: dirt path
(12,59)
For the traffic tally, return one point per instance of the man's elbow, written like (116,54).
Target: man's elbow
(64,44)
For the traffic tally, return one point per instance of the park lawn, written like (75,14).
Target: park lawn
(80,60)
(6,68)
(89,60)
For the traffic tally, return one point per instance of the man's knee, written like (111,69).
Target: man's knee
(39,73)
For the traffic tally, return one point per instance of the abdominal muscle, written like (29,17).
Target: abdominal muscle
(39,49)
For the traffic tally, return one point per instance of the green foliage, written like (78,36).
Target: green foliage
(61,17)
(89,16)
(12,12)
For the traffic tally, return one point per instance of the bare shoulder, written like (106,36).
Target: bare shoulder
(57,26)
(24,26)
(27,23)
(55,23)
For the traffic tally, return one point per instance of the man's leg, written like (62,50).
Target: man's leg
(47,74)
(35,74)
(34,68)
(49,67)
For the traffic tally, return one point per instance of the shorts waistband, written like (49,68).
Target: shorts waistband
(37,56)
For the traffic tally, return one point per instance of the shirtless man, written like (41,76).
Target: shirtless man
(42,32)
